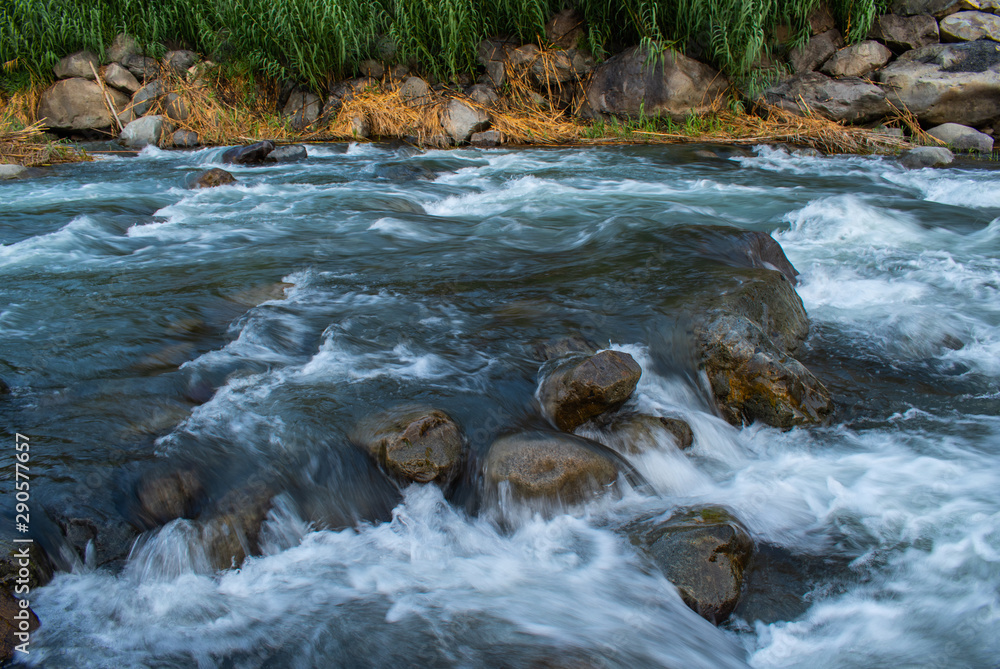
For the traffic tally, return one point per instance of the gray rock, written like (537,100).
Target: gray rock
(372,68)
(148,96)
(9,172)
(399,71)
(582,63)
(179,61)
(815,52)
(565,29)
(122,46)
(674,86)
(77,104)
(290,153)
(926,156)
(143,68)
(460,120)
(252,154)
(847,99)
(77,65)
(580,389)
(486,139)
(359,127)
(185,139)
(414,443)
(947,83)
(903,33)
(483,95)
(303,107)
(117,76)
(962,138)
(936,8)
(969,26)
(857,60)
(212,178)
(145,131)
(415,92)
(704,552)
(492,55)
(550,466)
(176,107)
(556,67)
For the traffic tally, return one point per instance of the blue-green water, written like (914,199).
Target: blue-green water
(245,330)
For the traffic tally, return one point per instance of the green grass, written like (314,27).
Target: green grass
(315,41)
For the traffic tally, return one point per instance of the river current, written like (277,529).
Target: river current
(244,330)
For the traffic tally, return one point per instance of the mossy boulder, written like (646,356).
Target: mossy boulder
(413,443)
(579,389)
(704,552)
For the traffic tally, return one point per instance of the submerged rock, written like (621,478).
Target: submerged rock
(746,339)
(213,177)
(704,552)
(580,389)
(231,528)
(291,153)
(164,497)
(253,154)
(550,466)
(633,434)
(413,443)
(926,156)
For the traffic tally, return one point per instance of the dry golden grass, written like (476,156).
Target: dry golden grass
(22,138)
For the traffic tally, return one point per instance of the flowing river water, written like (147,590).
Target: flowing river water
(244,330)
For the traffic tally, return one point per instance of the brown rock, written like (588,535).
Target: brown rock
(78,64)
(704,552)
(414,443)
(815,52)
(230,530)
(903,33)
(847,99)
(550,466)
(213,177)
(857,60)
(580,389)
(633,434)
(821,19)
(565,29)
(557,347)
(165,497)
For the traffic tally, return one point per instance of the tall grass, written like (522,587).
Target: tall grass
(314,41)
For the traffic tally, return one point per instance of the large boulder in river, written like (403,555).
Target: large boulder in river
(947,83)
(668,84)
(253,154)
(969,26)
(413,443)
(746,339)
(551,467)
(848,99)
(77,104)
(902,33)
(17,622)
(212,178)
(81,64)
(461,120)
(738,247)
(579,389)
(703,552)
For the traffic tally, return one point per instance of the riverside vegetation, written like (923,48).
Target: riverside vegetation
(517,72)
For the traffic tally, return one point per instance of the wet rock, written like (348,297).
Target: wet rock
(10,172)
(947,83)
(704,552)
(185,139)
(857,60)
(181,60)
(486,139)
(969,26)
(962,138)
(746,338)
(17,622)
(738,247)
(231,528)
(252,154)
(143,68)
(78,64)
(77,104)
(165,496)
(581,388)
(415,92)
(550,466)
(145,131)
(902,33)
(303,108)
(461,120)
(402,172)
(413,443)
(483,95)
(176,107)
(849,99)
(926,156)
(633,434)
(674,86)
(290,153)
(122,46)
(557,347)
(103,541)
(815,52)
(565,29)
(148,96)
(116,76)
(213,177)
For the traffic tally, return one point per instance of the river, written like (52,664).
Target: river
(244,330)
